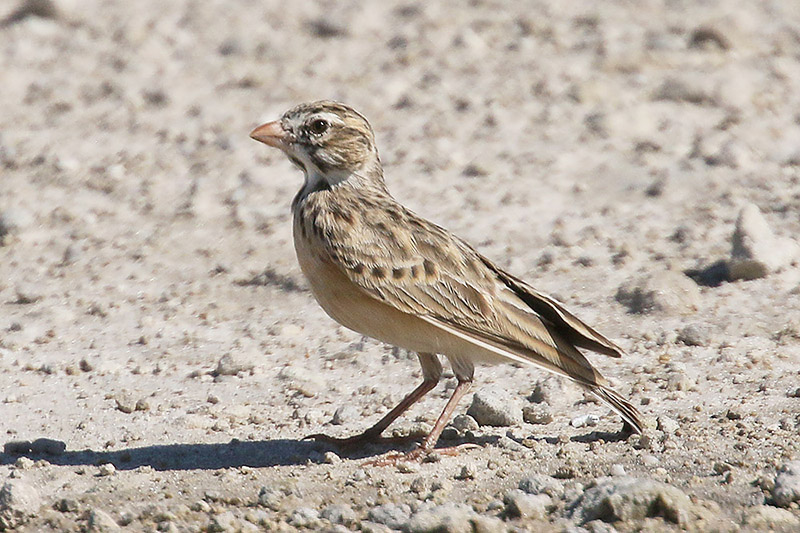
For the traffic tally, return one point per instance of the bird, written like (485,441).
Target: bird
(379,269)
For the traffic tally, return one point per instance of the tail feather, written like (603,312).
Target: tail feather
(626,410)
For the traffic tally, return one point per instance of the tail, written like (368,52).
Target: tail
(626,410)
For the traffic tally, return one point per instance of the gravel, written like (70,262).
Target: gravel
(495,407)
(19,502)
(787,484)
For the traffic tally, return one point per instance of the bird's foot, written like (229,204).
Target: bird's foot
(419,455)
(350,443)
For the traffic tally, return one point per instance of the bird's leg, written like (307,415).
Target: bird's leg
(431,370)
(427,445)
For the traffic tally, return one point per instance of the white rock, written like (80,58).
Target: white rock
(787,484)
(756,251)
(18,503)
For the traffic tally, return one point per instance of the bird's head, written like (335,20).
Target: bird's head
(326,139)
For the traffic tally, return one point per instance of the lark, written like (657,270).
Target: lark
(378,269)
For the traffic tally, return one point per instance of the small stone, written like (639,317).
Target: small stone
(542,484)
(106,469)
(392,515)
(100,521)
(787,484)
(19,502)
(617,470)
(694,335)
(537,414)
(466,423)
(528,506)
(330,458)
(666,292)
(756,251)
(228,366)
(344,414)
(768,518)
(628,498)
(553,390)
(305,517)
(495,408)
(467,472)
(447,518)
(23,463)
(667,425)
(339,514)
(584,421)
(142,405)
(125,402)
(13,220)
(67,505)
(270,498)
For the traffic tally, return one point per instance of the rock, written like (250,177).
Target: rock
(307,383)
(552,390)
(18,503)
(13,220)
(339,514)
(537,414)
(584,421)
(391,515)
(100,521)
(667,425)
(304,517)
(667,292)
(125,402)
(787,484)
(529,506)
(448,518)
(344,414)
(768,518)
(228,366)
(756,251)
(694,335)
(495,408)
(467,423)
(542,484)
(467,472)
(628,498)
(106,469)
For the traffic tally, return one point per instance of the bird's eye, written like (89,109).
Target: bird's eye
(318,126)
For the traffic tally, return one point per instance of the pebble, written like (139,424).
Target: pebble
(552,390)
(304,517)
(13,220)
(542,484)
(466,423)
(447,518)
(667,425)
(339,514)
(537,414)
(100,521)
(629,498)
(584,421)
(228,366)
(495,407)
(529,506)
(125,402)
(756,251)
(106,469)
(667,292)
(18,503)
(344,414)
(330,458)
(467,472)
(617,471)
(768,518)
(23,463)
(787,484)
(392,515)
(694,335)
(302,380)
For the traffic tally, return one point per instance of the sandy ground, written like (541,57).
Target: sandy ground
(154,317)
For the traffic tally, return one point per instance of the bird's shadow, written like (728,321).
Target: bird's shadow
(233,454)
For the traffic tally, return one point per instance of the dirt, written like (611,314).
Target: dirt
(154,317)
